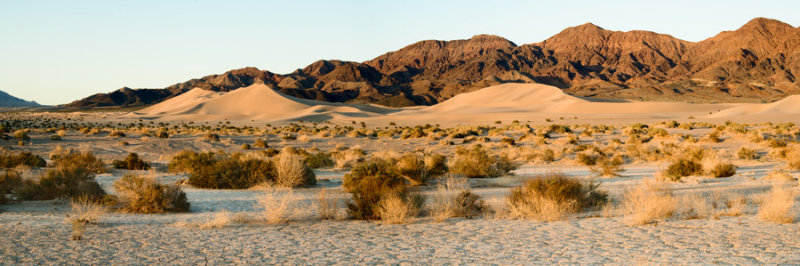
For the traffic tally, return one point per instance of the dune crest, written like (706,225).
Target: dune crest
(255,102)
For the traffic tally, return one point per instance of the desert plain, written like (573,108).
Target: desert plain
(508,174)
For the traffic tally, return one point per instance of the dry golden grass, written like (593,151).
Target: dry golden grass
(291,170)
(779,176)
(448,202)
(648,202)
(776,206)
(327,206)
(84,211)
(395,210)
(541,208)
(219,219)
(278,205)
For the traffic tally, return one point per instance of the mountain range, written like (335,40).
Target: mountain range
(7,100)
(756,63)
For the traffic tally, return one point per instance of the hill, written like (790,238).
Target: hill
(755,63)
(6,100)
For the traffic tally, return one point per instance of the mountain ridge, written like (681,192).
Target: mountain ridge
(754,63)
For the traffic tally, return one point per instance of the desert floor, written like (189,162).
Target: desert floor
(35,232)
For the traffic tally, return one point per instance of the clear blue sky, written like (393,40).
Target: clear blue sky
(55,52)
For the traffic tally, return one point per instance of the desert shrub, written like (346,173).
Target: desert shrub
(68,180)
(476,162)
(246,146)
(548,155)
(348,158)
(683,167)
(9,181)
(776,206)
(75,159)
(291,170)
(608,166)
(260,143)
(587,159)
(774,143)
(131,162)
(319,160)
(454,199)
(551,197)
(140,194)
(648,202)
(418,168)
(508,141)
(792,158)
(162,134)
(22,135)
(55,137)
(221,170)
(747,154)
(211,137)
(84,212)
(278,205)
(723,170)
(8,160)
(370,183)
(117,134)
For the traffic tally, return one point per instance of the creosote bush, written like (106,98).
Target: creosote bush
(477,162)
(140,194)
(418,168)
(220,170)
(683,168)
(73,176)
(9,181)
(553,196)
(376,182)
(131,162)
(723,170)
(9,160)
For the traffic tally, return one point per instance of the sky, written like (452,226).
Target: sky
(55,52)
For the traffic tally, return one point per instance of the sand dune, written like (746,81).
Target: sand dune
(501,102)
(256,102)
(789,105)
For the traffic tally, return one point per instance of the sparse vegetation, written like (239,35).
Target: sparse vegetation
(723,170)
(476,162)
(553,196)
(131,162)
(776,206)
(683,168)
(373,182)
(143,194)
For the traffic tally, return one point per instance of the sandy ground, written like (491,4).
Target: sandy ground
(36,233)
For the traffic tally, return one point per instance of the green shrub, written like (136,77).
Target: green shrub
(551,196)
(682,168)
(319,160)
(476,162)
(8,160)
(418,168)
(723,170)
(72,181)
(222,171)
(145,195)
(75,159)
(371,182)
(131,162)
